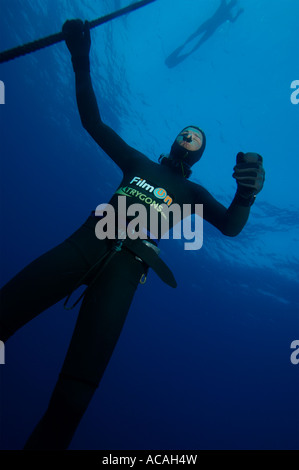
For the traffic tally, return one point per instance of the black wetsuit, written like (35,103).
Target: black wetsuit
(52,276)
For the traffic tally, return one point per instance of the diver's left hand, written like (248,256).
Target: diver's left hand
(249,174)
(77,37)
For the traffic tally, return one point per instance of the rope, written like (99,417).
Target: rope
(33,46)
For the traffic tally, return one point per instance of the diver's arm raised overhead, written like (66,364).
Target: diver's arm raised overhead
(117,149)
(77,37)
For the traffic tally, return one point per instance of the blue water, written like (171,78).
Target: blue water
(205,366)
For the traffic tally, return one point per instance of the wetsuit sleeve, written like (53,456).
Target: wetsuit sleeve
(112,144)
(229,221)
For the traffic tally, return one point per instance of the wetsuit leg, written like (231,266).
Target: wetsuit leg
(39,285)
(48,279)
(100,321)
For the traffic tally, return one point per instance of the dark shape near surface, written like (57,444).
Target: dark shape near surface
(205,31)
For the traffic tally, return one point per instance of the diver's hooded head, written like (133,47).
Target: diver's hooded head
(186,150)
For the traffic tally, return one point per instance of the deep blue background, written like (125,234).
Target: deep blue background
(205,366)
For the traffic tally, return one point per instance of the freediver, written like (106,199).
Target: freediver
(206,30)
(110,269)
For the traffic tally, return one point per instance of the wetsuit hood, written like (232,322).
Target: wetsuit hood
(182,159)
(190,157)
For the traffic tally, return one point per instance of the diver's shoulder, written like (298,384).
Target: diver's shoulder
(196,187)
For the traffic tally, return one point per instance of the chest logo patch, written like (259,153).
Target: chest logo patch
(159,193)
